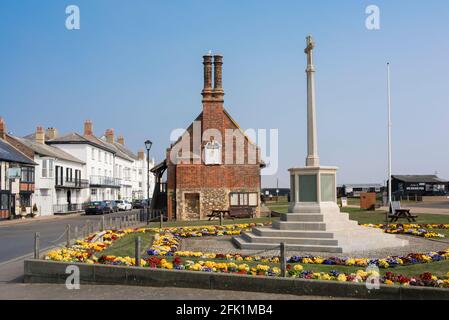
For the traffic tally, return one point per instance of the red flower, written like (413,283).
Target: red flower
(426,276)
(154,260)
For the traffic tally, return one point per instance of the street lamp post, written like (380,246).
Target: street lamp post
(148,145)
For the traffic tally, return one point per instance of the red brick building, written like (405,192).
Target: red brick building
(213,165)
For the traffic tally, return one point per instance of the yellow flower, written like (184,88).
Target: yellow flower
(263,267)
(341,277)
(298,267)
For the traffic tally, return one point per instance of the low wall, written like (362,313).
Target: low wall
(41,271)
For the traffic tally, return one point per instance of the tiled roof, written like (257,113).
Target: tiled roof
(11,154)
(47,150)
(120,150)
(75,138)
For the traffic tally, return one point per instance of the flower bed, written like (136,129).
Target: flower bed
(296,271)
(167,240)
(411,229)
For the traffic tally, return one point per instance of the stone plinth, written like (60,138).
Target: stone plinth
(315,223)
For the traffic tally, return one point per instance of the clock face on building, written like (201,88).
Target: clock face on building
(212,153)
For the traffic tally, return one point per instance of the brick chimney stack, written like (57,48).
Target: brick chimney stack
(109,135)
(40,135)
(218,74)
(52,133)
(121,140)
(207,90)
(213,116)
(88,128)
(141,154)
(2,129)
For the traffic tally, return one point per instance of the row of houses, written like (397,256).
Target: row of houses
(60,173)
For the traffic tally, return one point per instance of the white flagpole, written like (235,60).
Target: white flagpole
(389,137)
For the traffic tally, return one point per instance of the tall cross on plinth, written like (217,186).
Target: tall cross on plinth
(314,221)
(312,159)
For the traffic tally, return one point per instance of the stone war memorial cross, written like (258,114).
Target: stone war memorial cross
(314,222)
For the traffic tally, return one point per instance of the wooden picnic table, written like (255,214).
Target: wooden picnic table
(402,214)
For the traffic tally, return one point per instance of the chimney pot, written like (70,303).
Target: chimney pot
(141,154)
(218,73)
(121,140)
(110,135)
(207,62)
(40,135)
(52,133)
(88,128)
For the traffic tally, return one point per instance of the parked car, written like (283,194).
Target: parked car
(97,207)
(138,204)
(112,204)
(124,205)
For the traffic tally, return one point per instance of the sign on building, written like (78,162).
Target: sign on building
(14,173)
(212,153)
(15,186)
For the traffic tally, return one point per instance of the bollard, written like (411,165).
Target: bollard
(68,235)
(221,218)
(102,223)
(137,252)
(120,223)
(283,260)
(36,246)
(161,220)
(75,233)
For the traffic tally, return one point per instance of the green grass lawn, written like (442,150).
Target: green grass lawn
(125,246)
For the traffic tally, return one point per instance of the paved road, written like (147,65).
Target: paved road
(18,239)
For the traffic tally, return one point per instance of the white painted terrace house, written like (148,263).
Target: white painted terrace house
(60,178)
(112,169)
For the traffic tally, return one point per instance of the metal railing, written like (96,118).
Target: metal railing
(66,208)
(105,181)
(82,184)
(152,215)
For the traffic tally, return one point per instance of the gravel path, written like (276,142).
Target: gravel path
(225,245)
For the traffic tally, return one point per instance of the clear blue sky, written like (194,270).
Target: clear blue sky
(136,66)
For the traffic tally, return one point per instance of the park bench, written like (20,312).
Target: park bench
(240,212)
(399,213)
